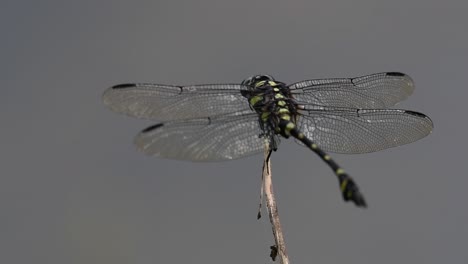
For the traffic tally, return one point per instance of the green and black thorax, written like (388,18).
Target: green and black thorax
(273,102)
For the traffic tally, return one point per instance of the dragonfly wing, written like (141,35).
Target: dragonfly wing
(354,131)
(380,90)
(216,138)
(167,102)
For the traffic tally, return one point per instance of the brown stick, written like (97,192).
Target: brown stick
(280,246)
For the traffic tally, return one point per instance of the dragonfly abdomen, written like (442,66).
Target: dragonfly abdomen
(348,187)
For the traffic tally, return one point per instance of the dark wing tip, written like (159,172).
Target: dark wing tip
(151,128)
(409,112)
(123,86)
(400,74)
(427,120)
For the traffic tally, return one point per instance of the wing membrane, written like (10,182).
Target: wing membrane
(375,91)
(204,139)
(354,131)
(167,102)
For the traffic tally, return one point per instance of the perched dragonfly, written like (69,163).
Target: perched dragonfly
(215,122)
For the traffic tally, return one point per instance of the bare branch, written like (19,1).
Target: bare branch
(280,246)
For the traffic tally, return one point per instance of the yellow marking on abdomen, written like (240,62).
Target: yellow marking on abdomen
(300,136)
(290,126)
(327,157)
(279,96)
(281,103)
(343,185)
(340,171)
(283,111)
(314,146)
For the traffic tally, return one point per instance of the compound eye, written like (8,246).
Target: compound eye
(260,78)
(247,81)
(257,78)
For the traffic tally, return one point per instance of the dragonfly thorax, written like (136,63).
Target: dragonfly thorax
(273,102)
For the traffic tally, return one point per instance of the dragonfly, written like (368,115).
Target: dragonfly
(217,122)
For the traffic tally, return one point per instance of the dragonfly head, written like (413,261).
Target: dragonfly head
(254,80)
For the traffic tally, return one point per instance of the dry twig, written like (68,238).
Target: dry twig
(280,247)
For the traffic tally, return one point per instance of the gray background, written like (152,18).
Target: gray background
(73,189)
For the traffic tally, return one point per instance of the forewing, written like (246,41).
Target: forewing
(219,138)
(166,102)
(380,90)
(360,131)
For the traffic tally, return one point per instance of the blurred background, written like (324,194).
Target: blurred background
(73,188)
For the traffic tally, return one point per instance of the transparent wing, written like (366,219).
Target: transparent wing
(380,90)
(167,102)
(204,139)
(360,131)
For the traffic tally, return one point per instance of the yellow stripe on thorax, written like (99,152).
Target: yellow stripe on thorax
(255,99)
(265,116)
(260,84)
